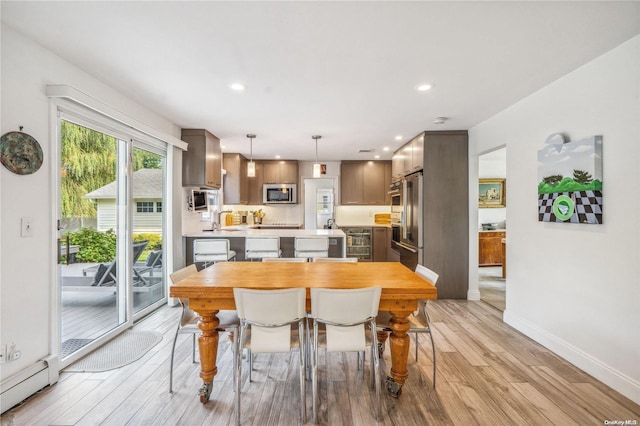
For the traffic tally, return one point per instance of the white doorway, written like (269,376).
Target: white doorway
(492,229)
(319,202)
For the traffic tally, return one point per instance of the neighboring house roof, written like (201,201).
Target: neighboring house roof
(147,183)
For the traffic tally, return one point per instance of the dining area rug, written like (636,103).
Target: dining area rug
(122,350)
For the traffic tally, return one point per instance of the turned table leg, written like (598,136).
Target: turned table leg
(208,346)
(399,346)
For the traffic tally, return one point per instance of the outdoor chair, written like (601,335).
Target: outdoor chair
(105,276)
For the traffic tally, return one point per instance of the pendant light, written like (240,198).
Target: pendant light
(316,165)
(251,166)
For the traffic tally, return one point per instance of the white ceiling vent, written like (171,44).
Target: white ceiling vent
(367,151)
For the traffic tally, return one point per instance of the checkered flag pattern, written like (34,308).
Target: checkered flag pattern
(588,207)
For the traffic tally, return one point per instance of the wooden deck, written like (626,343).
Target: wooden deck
(488,374)
(87,314)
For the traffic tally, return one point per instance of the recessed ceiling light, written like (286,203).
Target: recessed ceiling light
(440,120)
(238,87)
(277,156)
(398,138)
(223,146)
(386,148)
(423,87)
(376,156)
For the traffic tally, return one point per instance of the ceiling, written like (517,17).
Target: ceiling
(344,70)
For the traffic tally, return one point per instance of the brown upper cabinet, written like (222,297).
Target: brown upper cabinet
(241,189)
(280,171)
(202,162)
(364,182)
(409,158)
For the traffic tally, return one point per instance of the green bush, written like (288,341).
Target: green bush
(155,240)
(94,246)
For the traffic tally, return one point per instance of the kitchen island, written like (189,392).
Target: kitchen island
(237,234)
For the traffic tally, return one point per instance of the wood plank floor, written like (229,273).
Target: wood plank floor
(488,374)
(492,286)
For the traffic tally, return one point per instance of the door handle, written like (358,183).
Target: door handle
(406,247)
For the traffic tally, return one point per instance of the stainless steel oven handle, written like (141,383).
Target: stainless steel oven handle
(407,247)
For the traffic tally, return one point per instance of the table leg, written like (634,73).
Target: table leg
(208,346)
(399,346)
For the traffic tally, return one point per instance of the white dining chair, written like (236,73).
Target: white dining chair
(212,250)
(347,317)
(188,322)
(262,247)
(311,247)
(419,321)
(266,326)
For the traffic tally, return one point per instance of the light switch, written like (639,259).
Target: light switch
(27,227)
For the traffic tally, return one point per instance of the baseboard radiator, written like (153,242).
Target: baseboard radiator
(25,383)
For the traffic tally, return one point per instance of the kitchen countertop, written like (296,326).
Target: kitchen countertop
(240,231)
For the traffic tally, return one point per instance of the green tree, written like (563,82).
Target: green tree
(146,160)
(88,162)
(582,177)
(552,180)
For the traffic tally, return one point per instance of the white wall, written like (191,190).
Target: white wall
(26,279)
(575,288)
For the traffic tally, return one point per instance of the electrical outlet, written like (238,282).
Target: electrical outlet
(14,355)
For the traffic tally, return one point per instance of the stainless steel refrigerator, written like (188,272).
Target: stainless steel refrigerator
(409,242)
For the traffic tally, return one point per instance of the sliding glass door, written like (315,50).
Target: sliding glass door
(148,227)
(111,233)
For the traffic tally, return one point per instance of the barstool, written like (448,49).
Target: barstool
(261,247)
(311,247)
(212,250)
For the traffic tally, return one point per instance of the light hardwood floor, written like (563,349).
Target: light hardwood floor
(492,286)
(488,374)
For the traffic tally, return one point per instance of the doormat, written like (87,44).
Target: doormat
(70,346)
(124,349)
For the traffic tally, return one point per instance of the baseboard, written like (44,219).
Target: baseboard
(473,294)
(613,378)
(25,383)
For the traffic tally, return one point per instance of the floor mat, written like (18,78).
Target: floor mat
(124,349)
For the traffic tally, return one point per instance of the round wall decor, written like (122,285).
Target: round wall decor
(20,153)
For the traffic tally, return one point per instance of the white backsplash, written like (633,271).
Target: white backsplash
(273,213)
(359,215)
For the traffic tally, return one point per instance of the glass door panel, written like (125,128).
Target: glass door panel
(93,295)
(148,229)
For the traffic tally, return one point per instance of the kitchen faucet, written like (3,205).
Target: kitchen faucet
(216,219)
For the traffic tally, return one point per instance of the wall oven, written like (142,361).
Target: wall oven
(274,193)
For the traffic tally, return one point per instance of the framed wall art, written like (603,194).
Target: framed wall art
(570,180)
(492,193)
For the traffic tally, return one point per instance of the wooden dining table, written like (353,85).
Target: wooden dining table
(211,290)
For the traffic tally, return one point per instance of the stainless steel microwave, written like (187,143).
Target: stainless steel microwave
(274,193)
